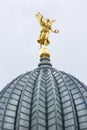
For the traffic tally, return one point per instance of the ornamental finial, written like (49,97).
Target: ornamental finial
(46,25)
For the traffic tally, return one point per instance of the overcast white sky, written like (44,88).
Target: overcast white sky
(19,31)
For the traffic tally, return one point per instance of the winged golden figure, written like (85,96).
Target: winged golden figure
(46,25)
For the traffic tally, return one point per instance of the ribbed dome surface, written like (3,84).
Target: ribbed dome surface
(44,99)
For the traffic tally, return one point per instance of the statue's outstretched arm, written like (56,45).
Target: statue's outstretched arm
(54,31)
(51,23)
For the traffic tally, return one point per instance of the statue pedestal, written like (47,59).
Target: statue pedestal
(44,53)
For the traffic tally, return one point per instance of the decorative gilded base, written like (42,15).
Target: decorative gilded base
(44,53)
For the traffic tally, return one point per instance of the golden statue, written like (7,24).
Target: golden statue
(46,25)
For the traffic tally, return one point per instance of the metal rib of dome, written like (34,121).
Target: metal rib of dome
(44,99)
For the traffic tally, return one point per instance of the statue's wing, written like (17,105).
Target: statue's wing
(38,16)
(53,21)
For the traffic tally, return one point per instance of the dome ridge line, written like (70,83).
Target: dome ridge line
(78,88)
(21,98)
(84,86)
(2,121)
(4,90)
(37,116)
(32,101)
(54,93)
(37,98)
(46,104)
(76,127)
(60,98)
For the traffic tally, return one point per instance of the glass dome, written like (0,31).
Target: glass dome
(44,99)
